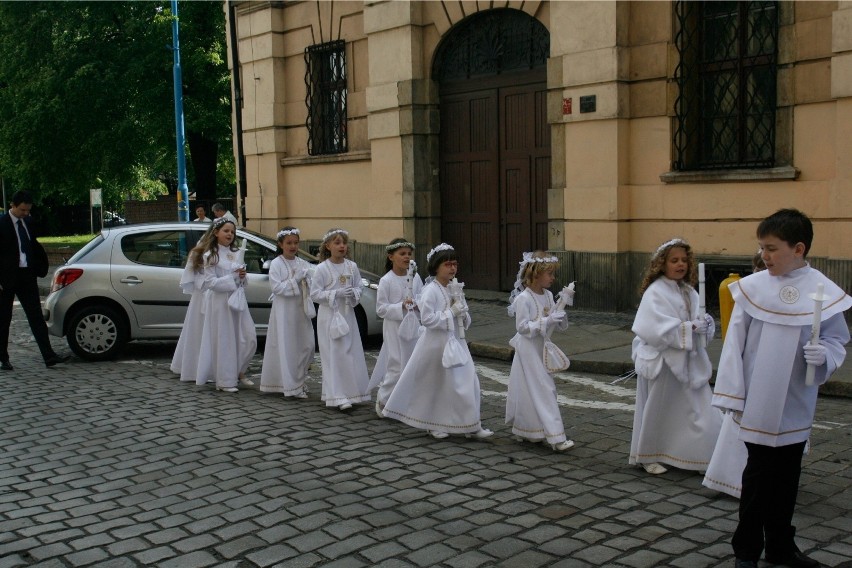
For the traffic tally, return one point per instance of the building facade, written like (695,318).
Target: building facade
(596,130)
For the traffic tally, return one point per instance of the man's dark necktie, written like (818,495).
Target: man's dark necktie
(25,239)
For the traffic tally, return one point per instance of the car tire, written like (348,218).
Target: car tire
(97,333)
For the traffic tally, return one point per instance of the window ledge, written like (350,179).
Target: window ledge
(721,176)
(357,156)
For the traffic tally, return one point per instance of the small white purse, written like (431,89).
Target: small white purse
(554,359)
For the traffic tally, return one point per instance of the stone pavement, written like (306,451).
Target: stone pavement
(595,342)
(118,464)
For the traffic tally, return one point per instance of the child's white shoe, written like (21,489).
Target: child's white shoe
(345,406)
(228,389)
(654,468)
(438,435)
(562,446)
(481,434)
(246,382)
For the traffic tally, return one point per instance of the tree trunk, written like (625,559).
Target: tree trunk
(204,154)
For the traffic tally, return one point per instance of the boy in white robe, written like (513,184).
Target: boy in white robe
(761,380)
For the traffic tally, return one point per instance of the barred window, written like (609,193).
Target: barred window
(726,75)
(325,78)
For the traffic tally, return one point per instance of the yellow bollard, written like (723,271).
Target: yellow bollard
(726,302)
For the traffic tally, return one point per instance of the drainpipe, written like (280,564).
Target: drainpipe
(238,111)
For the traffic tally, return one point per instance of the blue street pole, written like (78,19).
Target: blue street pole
(183,190)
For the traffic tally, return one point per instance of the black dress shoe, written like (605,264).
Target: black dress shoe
(794,560)
(55,360)
(738,563)
(6,366)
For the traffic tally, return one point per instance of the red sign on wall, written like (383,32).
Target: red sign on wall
(566,106)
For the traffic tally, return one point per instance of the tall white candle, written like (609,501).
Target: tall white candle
(457,293)
(702,303)
(818,300)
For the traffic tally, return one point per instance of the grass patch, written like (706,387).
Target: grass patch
(75,241)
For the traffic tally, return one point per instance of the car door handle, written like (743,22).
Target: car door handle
(131,280)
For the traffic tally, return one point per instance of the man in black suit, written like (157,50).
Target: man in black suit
(22,260)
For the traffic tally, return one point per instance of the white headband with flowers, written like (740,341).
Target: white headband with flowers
(285,232)
(333,232)
(668,244)
(439,248)
(527,258)
(221,221)
(394,246)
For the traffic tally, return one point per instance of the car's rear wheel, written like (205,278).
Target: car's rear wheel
(97,333)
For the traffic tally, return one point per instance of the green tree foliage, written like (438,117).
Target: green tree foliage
(86,96)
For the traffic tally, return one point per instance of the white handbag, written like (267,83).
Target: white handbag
(338,327)
(237,300)
(554,359)
(454,354)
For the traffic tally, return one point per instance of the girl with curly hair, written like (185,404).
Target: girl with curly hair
(674,422)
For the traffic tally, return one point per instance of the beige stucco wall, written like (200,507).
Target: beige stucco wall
(607,195)
(613,197)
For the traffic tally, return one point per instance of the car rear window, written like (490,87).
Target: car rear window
(87,248)
(167,247)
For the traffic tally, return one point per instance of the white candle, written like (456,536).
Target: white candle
(458,296)
(818,299)
(702,303)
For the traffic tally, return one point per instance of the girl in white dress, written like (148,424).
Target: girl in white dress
(531,406)
(396,299)
(229,340)
(438,390)
(336,287)
(185,359)
(674,422)
(290,336)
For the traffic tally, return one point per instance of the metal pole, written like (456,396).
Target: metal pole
(183,190)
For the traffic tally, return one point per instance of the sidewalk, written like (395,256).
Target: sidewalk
(596,342)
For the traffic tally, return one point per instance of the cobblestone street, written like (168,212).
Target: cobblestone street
(119,464)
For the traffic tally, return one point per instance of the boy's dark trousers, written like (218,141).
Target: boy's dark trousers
(769,489)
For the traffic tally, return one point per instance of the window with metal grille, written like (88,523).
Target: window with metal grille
(726,74)
(325,78)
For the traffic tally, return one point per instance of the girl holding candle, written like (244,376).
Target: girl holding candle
(290,336)
(396,300)
(229,340)
(761,380)
(336,287)
(674,422)
(438,390)
(531,406)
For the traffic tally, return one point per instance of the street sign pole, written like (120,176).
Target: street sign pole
(183,190)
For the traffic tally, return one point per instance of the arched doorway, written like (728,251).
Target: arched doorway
(494,143)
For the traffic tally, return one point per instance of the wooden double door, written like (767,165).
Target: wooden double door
(494,175)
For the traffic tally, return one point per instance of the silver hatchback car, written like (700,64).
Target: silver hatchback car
(123,285)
